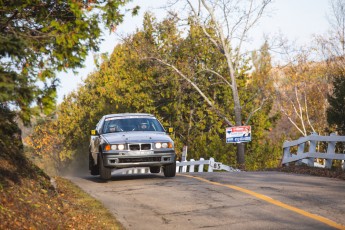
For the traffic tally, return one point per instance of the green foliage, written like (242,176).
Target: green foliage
(15,167)
(10,141)
(336,109)
(38,38)
(261,152)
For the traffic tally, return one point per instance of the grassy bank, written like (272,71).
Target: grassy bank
(28,200)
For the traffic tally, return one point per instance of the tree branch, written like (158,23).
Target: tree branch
(292,122)
(210,103)
(255,110)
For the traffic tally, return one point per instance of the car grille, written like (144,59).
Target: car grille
(142,159)
(139,146)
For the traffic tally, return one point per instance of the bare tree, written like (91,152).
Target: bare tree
(337,22)
(332,45)
(226,24)
(301,92)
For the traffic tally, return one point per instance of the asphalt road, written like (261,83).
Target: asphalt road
(238,200)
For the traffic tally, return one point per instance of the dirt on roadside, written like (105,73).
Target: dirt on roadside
(313,171)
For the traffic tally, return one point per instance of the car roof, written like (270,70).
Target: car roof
(128,115)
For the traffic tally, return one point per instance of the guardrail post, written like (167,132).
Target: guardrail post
(330,150)
(184,167)
(201,166)
(210,165)
(300,151)
(191,167)
(286,154)
(177,167)
(312,149)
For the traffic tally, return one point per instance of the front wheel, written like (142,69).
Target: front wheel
(94,170)
(105,173)
(170,170)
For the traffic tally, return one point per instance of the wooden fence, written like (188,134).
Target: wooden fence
(308,150)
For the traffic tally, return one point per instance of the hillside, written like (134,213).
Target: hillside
(28,200)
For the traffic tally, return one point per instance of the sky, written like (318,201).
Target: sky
(297,20)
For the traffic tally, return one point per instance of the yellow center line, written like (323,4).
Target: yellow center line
(275,202)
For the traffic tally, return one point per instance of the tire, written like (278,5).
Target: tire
(170,170)
(94,170)
(155,169)
(105,173)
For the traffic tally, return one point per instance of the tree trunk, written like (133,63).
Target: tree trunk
(238,119)
(240,155)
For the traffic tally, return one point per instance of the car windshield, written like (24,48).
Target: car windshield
(115,124)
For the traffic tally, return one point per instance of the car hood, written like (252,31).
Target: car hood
(136,137)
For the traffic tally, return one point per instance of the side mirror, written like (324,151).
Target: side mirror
(93,132)
(170,130)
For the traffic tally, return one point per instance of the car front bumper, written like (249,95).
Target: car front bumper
(138,159)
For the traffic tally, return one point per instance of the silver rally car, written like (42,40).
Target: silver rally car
(130,140)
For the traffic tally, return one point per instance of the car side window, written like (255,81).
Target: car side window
(99,125)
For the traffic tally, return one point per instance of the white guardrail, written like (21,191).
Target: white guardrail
(184,167)
(309,157)
(189,166)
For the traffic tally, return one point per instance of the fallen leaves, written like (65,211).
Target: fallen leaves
(34,204)
(314,171)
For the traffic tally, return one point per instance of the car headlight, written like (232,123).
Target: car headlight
(158,145)
(114,147)
(163,145)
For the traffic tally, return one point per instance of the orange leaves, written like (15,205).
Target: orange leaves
(24,206)
(44,139)
(45,146)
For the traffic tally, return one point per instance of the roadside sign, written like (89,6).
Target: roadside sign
(238,134)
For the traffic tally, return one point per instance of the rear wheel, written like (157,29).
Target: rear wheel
(170,170)
(94,170)
(155,169)
(105,173)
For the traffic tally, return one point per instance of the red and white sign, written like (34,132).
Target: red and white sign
(238,134)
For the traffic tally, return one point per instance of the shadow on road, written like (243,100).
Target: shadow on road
(122,177)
